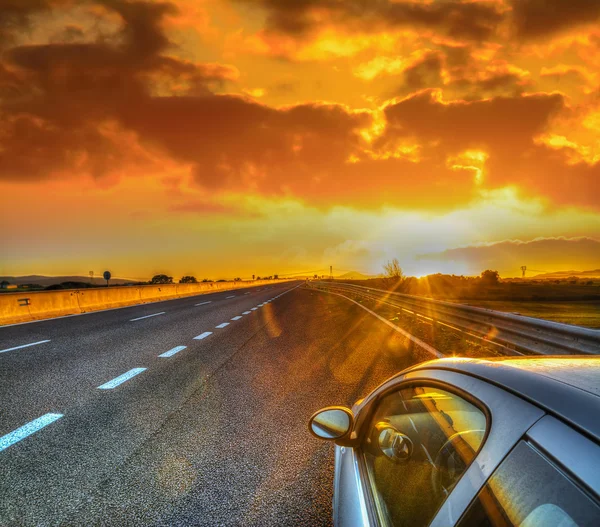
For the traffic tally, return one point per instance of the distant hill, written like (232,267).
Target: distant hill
(567,274)
(354,275)
(52,280)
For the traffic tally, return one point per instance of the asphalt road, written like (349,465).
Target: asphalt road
(212,434)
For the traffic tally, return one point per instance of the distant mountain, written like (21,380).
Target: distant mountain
(566,274)
(51,280)
(354,275)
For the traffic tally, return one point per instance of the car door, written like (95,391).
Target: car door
(426,444)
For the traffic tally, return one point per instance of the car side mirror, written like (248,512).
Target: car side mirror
(331,423)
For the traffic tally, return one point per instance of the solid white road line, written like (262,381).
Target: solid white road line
(236,318)
(221,326)
(203,335)
(227,297)
(204,303)
(172,352)
(121,379)
(246,312)
(25,346)
(148,316)
(26,430)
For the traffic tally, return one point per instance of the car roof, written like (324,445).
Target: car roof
(565,386)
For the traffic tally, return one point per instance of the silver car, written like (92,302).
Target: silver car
(471,442)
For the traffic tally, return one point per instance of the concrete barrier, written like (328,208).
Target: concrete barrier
(38,305)
(152,293)
(14,307)
(21,307)
(107,298)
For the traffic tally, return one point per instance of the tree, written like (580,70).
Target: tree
(489,277)
(252,277)
(4,284)
(207,280)
(393,270)
(315,277)
(237,279)
(188,280)
(276,276)
(161,279)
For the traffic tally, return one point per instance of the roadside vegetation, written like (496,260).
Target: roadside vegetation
(569,300)
(7,287)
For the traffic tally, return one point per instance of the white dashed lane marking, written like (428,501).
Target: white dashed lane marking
(148,316)
(232,296)
(172,352)
(24,346)
(246,312)
(203,335)
(121,379)
(236,318)
(254,309)
(204,303)
(221,326)
(26,430)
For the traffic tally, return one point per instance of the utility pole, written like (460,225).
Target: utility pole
(523,268)
(92,277)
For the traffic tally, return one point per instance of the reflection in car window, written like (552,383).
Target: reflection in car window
(419,443)
(527,490)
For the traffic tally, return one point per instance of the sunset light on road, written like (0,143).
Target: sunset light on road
(300,263)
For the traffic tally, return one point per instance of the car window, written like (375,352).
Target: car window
(528,490)
(418,444)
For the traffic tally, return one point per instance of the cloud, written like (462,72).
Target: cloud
(15,16)
(126,103)
(58,99)
(545,254)
(468,20)
(426,72)
(504,130)
(500,123)
(541,18)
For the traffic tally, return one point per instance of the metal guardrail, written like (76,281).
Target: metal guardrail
(516,334)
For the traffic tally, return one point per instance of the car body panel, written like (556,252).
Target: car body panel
(512,418)
(518,394)
(563,386)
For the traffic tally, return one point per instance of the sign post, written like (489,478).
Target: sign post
(107,276)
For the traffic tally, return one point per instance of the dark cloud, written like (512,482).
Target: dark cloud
(459,73)
(73,108)
(56,98)
(235,142)
(426,72)
(509,255)
(15,17)
(469,20)
(541,18)
(500,124)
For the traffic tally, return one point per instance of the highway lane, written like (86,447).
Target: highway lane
(82,352)
(213,434)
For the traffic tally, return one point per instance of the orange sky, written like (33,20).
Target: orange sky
(226,138)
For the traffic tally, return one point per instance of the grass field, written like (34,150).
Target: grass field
(580,313)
